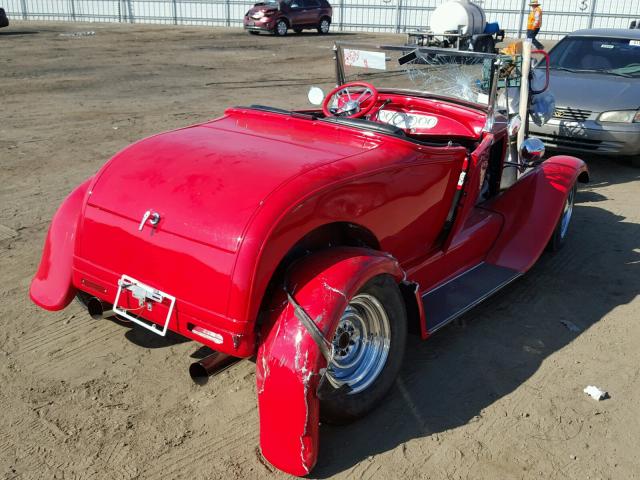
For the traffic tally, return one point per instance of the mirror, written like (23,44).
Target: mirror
(514,126)
(532,150)
(315,96)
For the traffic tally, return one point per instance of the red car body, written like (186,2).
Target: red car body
(243,198)
(294,14)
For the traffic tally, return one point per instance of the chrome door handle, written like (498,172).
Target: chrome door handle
(152,217)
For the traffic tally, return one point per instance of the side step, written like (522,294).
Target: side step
(450,300)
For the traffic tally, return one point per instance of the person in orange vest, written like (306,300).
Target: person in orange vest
(534,23)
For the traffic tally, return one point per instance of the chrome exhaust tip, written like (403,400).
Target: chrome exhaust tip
(98,309)
(201,370)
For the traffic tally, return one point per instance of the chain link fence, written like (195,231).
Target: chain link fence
(560,16)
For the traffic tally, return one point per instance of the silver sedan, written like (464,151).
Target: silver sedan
(595,78)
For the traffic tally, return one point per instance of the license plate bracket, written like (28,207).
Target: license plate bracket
(147,297)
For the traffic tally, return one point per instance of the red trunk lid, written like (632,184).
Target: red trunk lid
(207,181)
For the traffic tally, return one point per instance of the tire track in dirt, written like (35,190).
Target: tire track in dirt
(45,444)
(76,354)
(115,461)
(232,441)
(70,339)
(53,332)
(5,445)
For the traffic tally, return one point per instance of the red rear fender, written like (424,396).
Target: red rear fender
(531,209)
(51,287)
(289,361)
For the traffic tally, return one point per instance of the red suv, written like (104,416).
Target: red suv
(278,16)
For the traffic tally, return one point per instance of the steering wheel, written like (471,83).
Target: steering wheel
(350,105)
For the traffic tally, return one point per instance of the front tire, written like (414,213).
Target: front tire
(368,347)
(324,26)
(562,228)
(281,28)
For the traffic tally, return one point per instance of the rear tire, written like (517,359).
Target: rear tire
(562,228)
(281,28)
(376,313)
(324,26)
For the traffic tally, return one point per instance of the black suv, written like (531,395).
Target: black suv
(4,20)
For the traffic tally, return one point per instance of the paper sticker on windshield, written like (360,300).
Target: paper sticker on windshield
(606,45)
(364,59)
(634,43)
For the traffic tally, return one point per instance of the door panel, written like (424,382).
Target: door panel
(472,180)
(307,12)
(296,13)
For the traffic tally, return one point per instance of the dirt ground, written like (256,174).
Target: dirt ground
(496,396)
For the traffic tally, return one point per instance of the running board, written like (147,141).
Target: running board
(450,300)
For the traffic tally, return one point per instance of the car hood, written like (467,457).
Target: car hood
(207,181)
(264,8)
(596,92)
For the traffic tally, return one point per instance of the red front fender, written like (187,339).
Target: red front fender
(289,362)
(51,286)
(531,209)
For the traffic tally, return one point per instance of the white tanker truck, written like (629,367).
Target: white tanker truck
(458,24)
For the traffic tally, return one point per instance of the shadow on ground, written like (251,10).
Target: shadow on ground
(11,33)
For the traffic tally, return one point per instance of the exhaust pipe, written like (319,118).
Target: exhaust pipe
(201,370)
(99,309)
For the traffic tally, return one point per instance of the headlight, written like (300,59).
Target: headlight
(620,116)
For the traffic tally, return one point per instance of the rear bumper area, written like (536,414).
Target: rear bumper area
(198,276)
(216,331)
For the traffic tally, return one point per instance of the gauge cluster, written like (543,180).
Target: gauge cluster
(407,121)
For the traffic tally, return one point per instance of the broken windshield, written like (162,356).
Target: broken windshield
(451,73)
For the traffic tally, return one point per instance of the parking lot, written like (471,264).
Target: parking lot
(497,395)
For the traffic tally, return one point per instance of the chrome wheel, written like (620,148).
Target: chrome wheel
(281,28)
(566,213)
(360,344)
(324,25)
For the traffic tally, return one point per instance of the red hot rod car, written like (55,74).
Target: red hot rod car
(315,239)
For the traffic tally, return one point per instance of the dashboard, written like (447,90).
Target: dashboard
(407,121)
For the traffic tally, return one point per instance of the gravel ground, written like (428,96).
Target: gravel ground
(498,395)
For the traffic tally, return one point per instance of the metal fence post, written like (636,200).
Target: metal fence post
(228,7)
(130,11)
(522,10)
(398,15)
(175,11)
(73,10)
(593,12)
(23,4)
(341,9)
